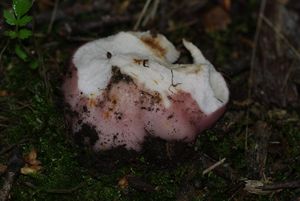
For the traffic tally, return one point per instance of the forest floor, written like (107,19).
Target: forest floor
(252,153)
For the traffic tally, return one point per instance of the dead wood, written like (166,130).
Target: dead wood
(281,185)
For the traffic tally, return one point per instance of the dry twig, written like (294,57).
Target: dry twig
(142,14)
(209,169)
(53,16)
(281,185)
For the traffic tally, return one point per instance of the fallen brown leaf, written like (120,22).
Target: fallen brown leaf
(226,4)
(32,165)
(2,168)
(3,93)
(30,169)
(123,183)
(123,6)
(216,19)
(31,156)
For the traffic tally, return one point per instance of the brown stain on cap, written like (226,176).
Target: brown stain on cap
(154,45)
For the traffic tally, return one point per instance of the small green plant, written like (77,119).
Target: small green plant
(19,18)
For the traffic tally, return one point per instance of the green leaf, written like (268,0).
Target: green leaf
(21,7)
(9,17)
(11,34)
(34,64)
(24,20)
(24,33)
(21,53)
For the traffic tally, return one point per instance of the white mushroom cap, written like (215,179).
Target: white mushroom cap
(149,62)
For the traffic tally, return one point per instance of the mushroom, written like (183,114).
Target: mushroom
(126,87)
